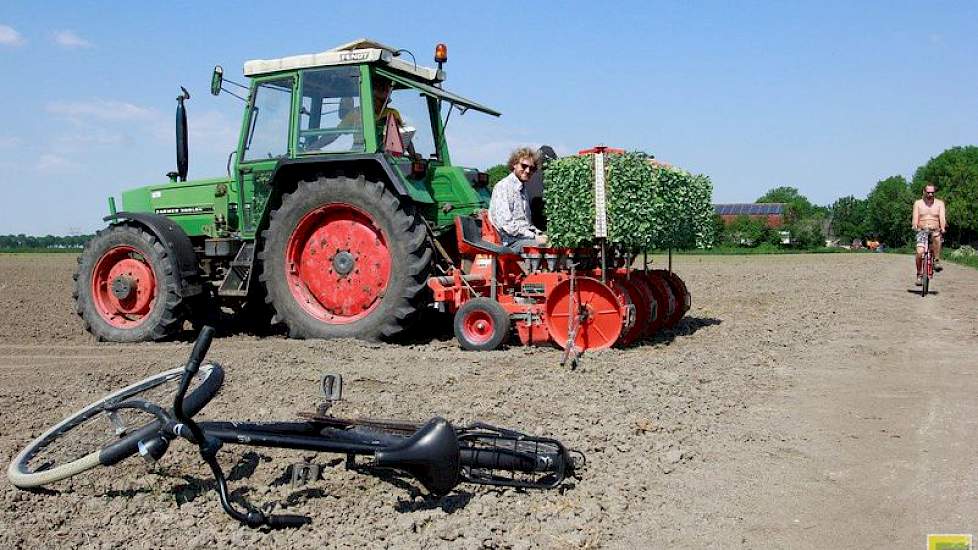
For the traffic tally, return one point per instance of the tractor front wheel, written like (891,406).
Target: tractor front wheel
(343,257)
(481,324)
(126,288)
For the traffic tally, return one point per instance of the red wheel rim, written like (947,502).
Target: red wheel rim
(338,264)
(123,287)
(679,297)
(635,298)
(604,314)
(647,313)
(665,301)
(478,326)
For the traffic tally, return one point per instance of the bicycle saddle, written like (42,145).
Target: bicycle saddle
(431,455)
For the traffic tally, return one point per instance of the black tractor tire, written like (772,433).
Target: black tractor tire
(166,312)
(408,249)
(494,329)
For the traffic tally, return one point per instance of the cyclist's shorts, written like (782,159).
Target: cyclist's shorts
(923,234)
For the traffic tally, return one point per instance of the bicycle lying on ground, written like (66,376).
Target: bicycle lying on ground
(435,453)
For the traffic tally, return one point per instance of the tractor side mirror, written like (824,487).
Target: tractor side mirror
(217,79)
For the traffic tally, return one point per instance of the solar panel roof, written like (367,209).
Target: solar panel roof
(749,209)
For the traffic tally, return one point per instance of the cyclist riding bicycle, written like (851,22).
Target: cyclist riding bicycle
(930,222)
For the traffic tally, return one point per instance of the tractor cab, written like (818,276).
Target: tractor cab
(356,101)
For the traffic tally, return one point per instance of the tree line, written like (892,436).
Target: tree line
(22,242)
(884,215)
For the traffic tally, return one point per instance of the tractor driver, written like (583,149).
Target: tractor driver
(350,116)
(509,209)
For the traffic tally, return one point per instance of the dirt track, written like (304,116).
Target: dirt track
(795,406)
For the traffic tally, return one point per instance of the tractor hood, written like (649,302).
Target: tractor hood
(438,93)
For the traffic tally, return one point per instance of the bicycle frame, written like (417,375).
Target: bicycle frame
(926,266)
(435,453)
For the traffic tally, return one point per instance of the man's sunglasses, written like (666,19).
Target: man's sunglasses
(529,167)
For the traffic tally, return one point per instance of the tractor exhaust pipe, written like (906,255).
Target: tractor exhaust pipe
(182,149)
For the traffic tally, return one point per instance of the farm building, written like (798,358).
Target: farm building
(772,213)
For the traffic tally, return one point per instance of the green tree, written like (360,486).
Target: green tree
(888,211)
(955,173)
(747,231)
(497,173)
(799,207)
(848,216)
(809,232)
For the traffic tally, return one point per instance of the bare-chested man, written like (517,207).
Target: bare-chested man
(929,222)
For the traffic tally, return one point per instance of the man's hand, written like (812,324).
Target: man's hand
(542,238)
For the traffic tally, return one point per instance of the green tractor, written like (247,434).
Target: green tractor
(328,218)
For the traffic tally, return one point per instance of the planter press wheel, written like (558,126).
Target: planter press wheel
(602,312)
(481,324)
(664,298)
(632,296)
(681,294)
(648,298)
(687,300)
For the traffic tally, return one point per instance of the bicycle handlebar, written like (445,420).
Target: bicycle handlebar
(201,345)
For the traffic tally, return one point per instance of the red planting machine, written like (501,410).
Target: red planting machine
(578,298)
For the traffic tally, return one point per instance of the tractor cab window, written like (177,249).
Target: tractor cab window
(269,135)
(411,108)
(330,120)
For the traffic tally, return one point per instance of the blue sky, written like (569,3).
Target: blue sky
(828,97)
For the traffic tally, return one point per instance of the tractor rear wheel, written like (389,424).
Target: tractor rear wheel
(343,257)
(481,324)
(126,287)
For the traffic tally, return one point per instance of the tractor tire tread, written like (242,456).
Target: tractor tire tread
(165,321)
(407,229)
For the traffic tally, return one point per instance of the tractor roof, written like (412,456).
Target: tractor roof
(355,52)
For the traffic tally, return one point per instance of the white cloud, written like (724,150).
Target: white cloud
(9,141)
(69,39)
(91,136)
(100,109)
(54,164)
(10,37)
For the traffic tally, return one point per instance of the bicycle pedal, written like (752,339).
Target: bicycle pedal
(303,473)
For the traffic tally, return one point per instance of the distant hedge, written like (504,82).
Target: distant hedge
(649,205)
(31,242)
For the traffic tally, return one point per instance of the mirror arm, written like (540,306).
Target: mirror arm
(225,90)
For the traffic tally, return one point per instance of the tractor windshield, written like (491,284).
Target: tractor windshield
(269,136)
(330,120)
(415,121)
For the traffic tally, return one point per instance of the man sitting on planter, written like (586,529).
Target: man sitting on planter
(509,209)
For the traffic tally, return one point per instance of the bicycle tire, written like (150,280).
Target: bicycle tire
(19,472)
(925,285)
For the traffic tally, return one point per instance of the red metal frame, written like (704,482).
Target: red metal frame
(528,287)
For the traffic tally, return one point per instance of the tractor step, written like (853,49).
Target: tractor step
(238,276)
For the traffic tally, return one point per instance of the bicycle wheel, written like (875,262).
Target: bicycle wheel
(78,442)
(925,286)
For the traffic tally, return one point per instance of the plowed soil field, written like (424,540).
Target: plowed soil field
(804,402)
